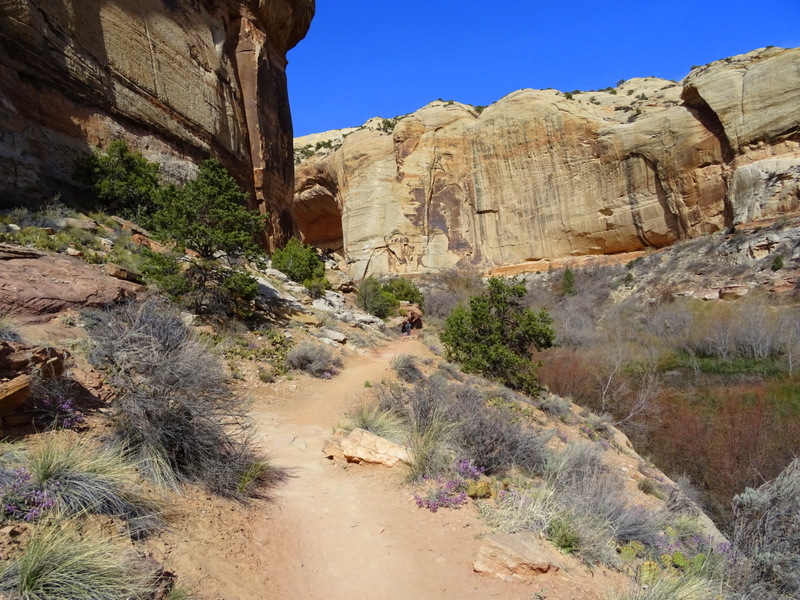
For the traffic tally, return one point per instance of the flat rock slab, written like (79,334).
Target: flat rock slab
(35,285)
(523,555)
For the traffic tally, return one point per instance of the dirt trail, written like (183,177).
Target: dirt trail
(354,531)
(334,531)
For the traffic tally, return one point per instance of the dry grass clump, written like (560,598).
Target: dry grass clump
(175,414)
(62,563)
(526,508)
(492,438)
(429,430)
(406,367)
(82,478)
(8,330)
(444,420)
(673,587)
(384,423)
(316,359)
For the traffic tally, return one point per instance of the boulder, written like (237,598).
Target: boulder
(329,302)
(332,334)
(13,394)
(523,556)
(118,272)
(35,285)
(86,224)
(361,446)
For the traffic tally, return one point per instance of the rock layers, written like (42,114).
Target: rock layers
(542,174)
(179,80)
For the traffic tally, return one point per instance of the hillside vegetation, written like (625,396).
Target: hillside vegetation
(707,387)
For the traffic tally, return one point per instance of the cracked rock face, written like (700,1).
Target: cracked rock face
(36,285)
(538,175)
(179,80)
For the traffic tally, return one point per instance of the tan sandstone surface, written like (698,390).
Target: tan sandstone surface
(540,175)
(179,80)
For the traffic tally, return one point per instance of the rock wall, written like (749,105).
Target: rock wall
(540,175)
(180,80)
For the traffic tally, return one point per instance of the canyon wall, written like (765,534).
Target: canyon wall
(541,174)
(179,80)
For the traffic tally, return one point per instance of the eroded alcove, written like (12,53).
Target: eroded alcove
(318,218)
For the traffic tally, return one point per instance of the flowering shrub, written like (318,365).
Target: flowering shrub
(445,493)
(466,470)
(58,410)
(450,492)
(21,500)
(690,552)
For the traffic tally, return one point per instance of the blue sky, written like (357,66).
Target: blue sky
(364,59)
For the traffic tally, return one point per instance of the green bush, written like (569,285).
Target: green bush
(495,335)
(298,261)
(404,289)
(164,270)
(209,216)
(777,263)
(568,283)
(316,287)
(374,299)
(124,181)
(561,532)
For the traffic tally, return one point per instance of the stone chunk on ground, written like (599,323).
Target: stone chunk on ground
(361,446)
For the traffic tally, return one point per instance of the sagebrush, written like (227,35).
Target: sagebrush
(175,413)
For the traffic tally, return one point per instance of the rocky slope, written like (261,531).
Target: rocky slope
(541,174)
(179,80)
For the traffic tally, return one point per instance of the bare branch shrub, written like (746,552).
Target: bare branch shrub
(447,290)
(315,359)
(175,413)
(493,441)
(767,531)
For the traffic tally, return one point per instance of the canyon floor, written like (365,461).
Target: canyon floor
(333,530)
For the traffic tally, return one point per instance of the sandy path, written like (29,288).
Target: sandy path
(334,531)
(354,531)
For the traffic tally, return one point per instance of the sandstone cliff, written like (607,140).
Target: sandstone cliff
(542,174)
(180,80)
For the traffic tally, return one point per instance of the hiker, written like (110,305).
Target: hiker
(405,328)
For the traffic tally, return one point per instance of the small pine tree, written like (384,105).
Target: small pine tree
(373,298)
(495,335)
(122,180)
(404,289)
(298,261)
(568,283)
(208,215)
